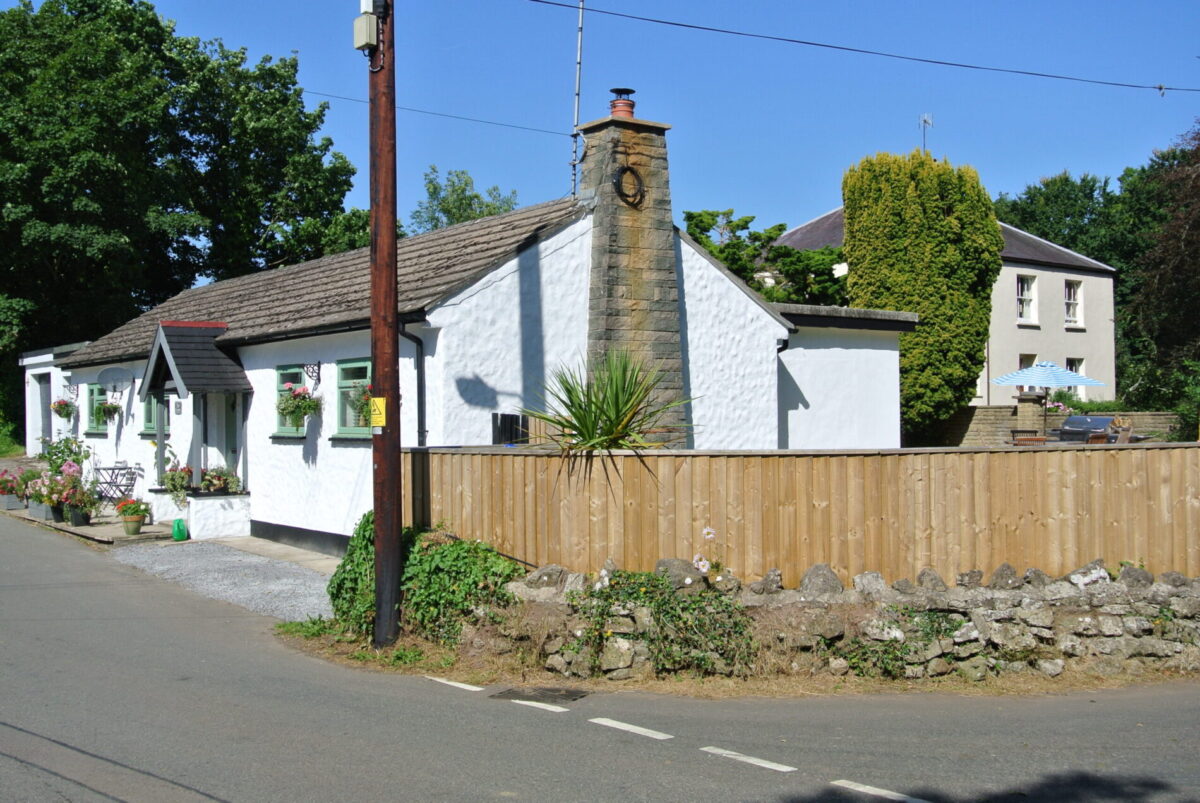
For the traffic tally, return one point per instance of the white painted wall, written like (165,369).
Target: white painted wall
(1048,336)
(40,366)
(840,389)
(499,339)
(730,345)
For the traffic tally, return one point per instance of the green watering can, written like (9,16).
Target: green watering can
(179,530)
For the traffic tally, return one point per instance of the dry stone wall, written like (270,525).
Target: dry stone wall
(1092,618)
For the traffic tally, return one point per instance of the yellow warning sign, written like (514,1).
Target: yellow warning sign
(378,412)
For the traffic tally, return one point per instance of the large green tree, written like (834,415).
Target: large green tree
(455,200)
(800,277)
(133,161)
(921,236)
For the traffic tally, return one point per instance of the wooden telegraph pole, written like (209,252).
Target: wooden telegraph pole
(375,34)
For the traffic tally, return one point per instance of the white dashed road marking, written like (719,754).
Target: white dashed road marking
(758,762)
(558,709)
(456,684)
(877,792)
(625,726)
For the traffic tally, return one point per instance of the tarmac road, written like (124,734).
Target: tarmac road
(116,685)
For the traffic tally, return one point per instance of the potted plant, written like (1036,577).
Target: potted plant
(108,410)
(177,480)
(79,501)
(63,408)
(361,402)
(37,491)
(10,491)
(219,480)
(133,513)
(297,403)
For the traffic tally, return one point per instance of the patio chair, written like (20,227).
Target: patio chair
(114,483)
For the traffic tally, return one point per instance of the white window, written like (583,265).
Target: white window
(1076,364)
(1025,299)
(1073,303)
(1025,361)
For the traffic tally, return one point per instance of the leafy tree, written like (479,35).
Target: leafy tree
(456,201)
(802,277)
(921,236)
(133,160)
(345,231)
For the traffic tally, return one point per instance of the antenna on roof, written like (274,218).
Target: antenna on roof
(575,127)
(926,122)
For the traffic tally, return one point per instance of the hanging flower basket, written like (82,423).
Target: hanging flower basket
(296,403)
(108,410)
(63,408)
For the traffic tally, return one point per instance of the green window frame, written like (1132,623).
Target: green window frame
(283,375)
(96,425)
(352,377)
(149,416)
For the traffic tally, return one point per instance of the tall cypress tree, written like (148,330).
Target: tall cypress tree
(921,236)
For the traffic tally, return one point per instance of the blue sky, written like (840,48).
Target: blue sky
(766,128)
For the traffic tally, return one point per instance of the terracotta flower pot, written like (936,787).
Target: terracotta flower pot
(133,524)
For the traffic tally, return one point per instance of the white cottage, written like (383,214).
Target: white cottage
(488,310)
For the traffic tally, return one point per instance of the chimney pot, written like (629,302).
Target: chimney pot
(621,105)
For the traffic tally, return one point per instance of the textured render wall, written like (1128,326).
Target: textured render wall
(122,438)
(840,389)
(1049,338)
(729,358)
(500,338)
(218,517)
(313,482)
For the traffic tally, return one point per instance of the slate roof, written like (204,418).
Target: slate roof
(1019,246)
(333,293)
(186,352)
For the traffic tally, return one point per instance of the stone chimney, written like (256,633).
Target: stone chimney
(634,300)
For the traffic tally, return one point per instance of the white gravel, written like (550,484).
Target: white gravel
(263,585)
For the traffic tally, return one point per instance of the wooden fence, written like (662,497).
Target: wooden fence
(895,512)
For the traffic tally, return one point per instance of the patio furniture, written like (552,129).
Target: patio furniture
(114,483)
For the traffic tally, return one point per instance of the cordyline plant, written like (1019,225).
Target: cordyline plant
(613,408)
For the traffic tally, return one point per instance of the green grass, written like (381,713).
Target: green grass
(313,627)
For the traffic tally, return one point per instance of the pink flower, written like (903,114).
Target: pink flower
(287,385)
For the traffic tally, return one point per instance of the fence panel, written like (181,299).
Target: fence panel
(894,512)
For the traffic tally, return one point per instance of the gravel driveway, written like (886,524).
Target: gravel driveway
(272,587)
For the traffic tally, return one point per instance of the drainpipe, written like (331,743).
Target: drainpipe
(419,362)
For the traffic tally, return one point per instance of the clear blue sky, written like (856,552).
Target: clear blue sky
(764,127)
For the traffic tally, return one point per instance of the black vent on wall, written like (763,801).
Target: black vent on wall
(510,428)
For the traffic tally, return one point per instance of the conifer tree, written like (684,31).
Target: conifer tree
(921,236)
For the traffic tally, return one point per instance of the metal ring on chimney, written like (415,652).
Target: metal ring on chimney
(638,194)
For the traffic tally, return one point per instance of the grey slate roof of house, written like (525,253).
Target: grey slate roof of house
(333,293)
(1019,246)
(199,366)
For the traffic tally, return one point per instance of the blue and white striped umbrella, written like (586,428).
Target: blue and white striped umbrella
(1045,375)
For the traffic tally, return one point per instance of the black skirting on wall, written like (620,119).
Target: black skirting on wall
(315,540)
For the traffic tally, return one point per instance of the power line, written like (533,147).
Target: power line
(787,40)
(443,114)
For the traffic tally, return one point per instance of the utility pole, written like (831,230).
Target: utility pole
(375,35)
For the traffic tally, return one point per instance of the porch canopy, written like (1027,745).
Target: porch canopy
(184,359)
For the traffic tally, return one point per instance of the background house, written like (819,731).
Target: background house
(489,310)
(1048,303)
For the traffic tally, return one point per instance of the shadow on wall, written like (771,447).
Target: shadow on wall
(1080,786)
(791,397)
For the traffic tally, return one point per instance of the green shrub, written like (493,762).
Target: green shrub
(352,587)
(444,583)
(60,451)
(870,659)
(703,631)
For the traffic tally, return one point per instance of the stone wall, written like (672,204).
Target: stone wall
(991,425)
(1033,623)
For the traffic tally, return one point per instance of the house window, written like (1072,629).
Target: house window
(1025,299)
(150,412)
(285,376)
(1075,364)
(509,428)
(96,395)
(1072,303)
(354,382)
(1026,361)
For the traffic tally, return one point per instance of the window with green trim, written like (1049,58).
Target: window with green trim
(285,377)
(96,425)
(354,385)
(150,412)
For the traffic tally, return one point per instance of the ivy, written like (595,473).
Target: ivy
(446,582)
(352,587)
